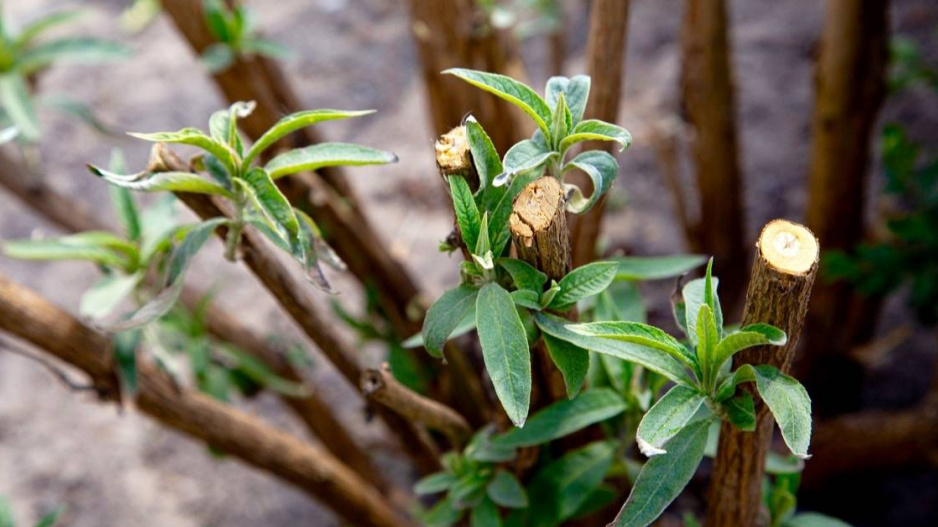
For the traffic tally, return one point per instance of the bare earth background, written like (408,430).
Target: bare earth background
(118,469)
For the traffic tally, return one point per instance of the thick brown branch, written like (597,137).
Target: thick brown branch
(24,314)
(779,288)
(605,62)
(850,85)
(380,386)
(709,103)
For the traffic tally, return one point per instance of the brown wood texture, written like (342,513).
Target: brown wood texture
(26,315)
(455,34)
(709,105)
(605,62)
(538,226)
(379,385)
(850,85)
(777,295)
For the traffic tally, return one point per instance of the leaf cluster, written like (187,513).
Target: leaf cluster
(235,30)
(560,123)
(23,54)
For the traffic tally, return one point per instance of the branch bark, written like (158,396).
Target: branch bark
(850,85)
(455,34)
(25,314)
(709,104)
(779,289)
(380,386)
(605,62)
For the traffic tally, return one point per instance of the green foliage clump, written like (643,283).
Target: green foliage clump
(235,30)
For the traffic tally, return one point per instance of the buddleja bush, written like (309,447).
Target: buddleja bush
(512,305)
(25,53)
(126,261)
(236,32)
(249,187)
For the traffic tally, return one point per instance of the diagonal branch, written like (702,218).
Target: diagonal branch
(27,315)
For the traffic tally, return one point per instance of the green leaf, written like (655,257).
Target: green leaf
(596,130)
(741,412)
(83,50)
(485,514)
(584,281)
(467,324)
(123,201)
(671,414)
(179,261)
(602,170)
(707,340)
(267,48)
(485,158)
(93,246)
(693,294)
(656,267)
(297,121)
(565,417)
(637,333)
(560,489)
(125,346)
(467,212)
(18,104)
(326,155)
(524,156)
(505,350)
(502,210)
(434,483)
(6,513)
(37,28)
(107,294)
(664,477)
(468,490)
(526,298)
(482,251)
(654,360)
(576,91)
(481,448)
(159,181)
(572,361)
(510,90)
(76,110)
(523,274)
(443,514)
(562,120)
(813,519)
(790,405)
(747,337)
(216,18)
(223,124)
(196,137)
(444,316)
(505,490)
(270,201)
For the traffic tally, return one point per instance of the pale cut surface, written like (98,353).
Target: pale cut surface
(788,247)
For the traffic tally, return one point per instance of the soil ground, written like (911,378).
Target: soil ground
(118,469)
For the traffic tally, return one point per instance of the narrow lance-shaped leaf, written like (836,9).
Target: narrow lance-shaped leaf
(485,514)
(505,350)
(123,201)
(505,490)
(565,417)
(160,181)
(485,158)
(693,296)
(445,315)
(269,200)
(196,137)
(562,120)
(664,477)
(326,155)
(71,49)
(524,156)
(584,281)
(654,360)
(741,412)
(637,333)
(82,246)
(467,213)
(602,170)
(107,294)
(14,95)
(434,483)
(707,340)
(747,337)
(671,414)
(511,91)
(294,122)
(523,274)
(656,267)
(596,130)
(37,28)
